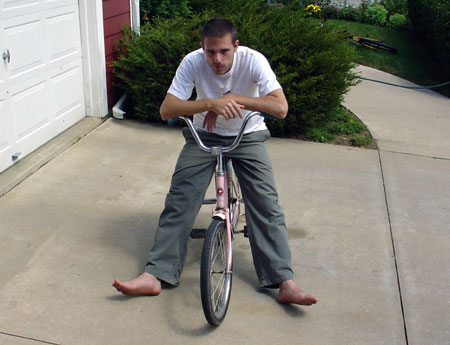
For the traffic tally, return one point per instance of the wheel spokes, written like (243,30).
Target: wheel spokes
(218,267)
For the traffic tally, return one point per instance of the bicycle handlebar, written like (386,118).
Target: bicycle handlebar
(219,149)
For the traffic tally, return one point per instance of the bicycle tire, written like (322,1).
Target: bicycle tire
(215,282)
(377,45)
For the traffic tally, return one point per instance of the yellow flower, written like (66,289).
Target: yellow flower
(311,8)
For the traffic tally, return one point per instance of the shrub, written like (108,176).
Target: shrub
(303,3)
(320,135)
(147,63)
(397,21)
(312,64)
(431,23)
(394,6)
(330,12)
(376,15)
(363,6)
(163,8)
(360,141)
(351,14)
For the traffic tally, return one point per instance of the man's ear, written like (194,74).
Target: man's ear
(236,45)
(201,45)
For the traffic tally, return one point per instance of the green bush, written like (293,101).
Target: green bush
(431,23)
(147,63)
(351,14)
(363,6)
(360,141)
(376,15)
(312,64)
(319,135)
(330,12)
(163,9)
(397,21)
(394,6)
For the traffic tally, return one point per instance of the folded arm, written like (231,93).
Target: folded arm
(173,106)
(228,106)
(274,103)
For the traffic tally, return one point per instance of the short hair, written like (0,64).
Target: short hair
(219,27)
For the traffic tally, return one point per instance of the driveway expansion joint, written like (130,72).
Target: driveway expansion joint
(393,249)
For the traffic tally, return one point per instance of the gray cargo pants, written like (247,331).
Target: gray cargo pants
(265,219)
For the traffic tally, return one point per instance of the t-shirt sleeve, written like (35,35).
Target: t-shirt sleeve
(263,76)
(183,82)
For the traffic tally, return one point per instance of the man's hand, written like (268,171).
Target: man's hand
(227,107)
(210,121)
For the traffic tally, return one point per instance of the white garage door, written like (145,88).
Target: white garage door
(41,79)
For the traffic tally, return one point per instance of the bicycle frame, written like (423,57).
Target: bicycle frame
(216,261)
(223,182)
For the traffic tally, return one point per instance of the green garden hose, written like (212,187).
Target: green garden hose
(404,86)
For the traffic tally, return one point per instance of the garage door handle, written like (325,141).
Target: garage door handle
(7,56)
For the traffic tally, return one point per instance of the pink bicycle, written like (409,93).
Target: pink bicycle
(216,267)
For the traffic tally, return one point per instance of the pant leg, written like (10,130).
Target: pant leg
(265,219)
(193,173)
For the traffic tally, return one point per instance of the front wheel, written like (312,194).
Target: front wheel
(215,280)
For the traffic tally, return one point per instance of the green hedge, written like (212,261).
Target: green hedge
(376,15)
(312,64)
(163,8)
(431,22)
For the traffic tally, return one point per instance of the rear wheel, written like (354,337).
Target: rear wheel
(377,45)
(215,281)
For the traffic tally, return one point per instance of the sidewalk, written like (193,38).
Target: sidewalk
(90,215)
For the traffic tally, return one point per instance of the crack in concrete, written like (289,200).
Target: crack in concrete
(415,155)
(393,249)
(27,338)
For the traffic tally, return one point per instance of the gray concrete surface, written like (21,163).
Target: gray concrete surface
(90,215)
(33,162)
(402,120)
(418,192)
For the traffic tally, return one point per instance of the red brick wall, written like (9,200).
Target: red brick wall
(116,14)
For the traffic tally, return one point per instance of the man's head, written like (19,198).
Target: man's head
(219,44)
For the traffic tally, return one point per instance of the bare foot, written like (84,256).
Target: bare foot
(291,293)
(145,284)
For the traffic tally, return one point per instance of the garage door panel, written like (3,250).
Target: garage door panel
(63,36)
(14,8)
(30,110)
(24,42)
(4,135)
(68,97)
(54,3)
(4,118)
(41,87)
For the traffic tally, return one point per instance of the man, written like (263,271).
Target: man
(229,80)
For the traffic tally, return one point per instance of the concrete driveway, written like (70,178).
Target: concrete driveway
(368,231)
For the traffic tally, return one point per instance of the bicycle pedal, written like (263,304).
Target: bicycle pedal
(245,231)
(198,233)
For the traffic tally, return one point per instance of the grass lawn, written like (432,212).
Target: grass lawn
(412,62)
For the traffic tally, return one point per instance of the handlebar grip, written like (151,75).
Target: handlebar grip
(270,117)
(173,121)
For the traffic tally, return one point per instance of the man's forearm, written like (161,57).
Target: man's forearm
(274,103)
(172,108)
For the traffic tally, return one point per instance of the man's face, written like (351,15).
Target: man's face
(219,52)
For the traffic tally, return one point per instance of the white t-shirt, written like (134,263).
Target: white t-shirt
(250,76)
